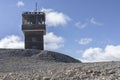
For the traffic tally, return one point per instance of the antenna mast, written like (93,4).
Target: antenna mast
(36,6)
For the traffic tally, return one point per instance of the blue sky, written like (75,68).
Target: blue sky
(83,29)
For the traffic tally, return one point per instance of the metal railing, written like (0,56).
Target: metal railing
(33,27)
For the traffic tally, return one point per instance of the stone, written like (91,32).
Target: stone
(46,78)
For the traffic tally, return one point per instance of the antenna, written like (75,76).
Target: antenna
(36,7)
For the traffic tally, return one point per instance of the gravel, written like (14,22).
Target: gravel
(46,65)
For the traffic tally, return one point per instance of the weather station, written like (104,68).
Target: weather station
(34,29)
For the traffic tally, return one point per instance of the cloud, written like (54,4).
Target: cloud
(54,18)
(92,20)
(81,25)
(53,42)
(88,22)
(85,41)
(109,53)
(11,41)
(20,3)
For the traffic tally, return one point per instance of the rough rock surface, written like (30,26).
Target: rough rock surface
(46,65)
(36,54)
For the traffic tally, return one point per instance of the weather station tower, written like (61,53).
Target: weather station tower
(34,29)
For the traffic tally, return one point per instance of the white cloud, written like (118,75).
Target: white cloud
(20,3)
(81,25)
(54,18)
(109,53)
(92,20)
(88,22)
(11,42)
(53,42)
(85,41)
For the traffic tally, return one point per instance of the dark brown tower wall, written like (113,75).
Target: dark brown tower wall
(34,28)
(34,40)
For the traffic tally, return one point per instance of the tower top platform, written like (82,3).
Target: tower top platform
(33,13)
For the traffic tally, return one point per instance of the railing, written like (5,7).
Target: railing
(33,27)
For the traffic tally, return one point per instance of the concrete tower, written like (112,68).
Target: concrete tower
(34,28)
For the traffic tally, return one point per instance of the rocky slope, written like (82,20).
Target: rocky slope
(36,54)
(47,65)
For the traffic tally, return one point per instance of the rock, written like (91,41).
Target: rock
(37,54)
(111,72)
(19,64)
(8,77)
(46,78)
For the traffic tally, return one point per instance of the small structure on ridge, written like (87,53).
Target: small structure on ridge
(34,28)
